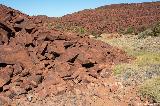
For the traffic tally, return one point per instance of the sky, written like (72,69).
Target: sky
(57,8)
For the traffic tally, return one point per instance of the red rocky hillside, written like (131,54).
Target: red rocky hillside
(113,18)
(35,58)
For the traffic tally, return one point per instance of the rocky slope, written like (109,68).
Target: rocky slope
(44,61)
(112,18)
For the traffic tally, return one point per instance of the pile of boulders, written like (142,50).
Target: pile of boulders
(34,58)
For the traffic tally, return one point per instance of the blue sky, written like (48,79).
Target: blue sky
(58,8)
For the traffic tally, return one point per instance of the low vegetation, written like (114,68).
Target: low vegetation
(151,89)
(75,29)
(80,30)
(129,30)
(50,26)
(154,32)
(142,32)
(145,69)
(57,26)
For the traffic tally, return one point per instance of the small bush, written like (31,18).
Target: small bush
(95,34)
(118,69)
(156,30)
(78,29)
(121,31)
(58,26)
(82,31)
(141,29)
(146,33)
(130,30)
(147,58)
(151,89)
(50,26)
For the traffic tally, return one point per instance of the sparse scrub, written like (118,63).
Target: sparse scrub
(141,29)
(142,60)
(75,29)
(151,89)
(130,30)
(82,31)
(78,29)
(58,26)
(121,30)
(146,58)
(146,33)
(153,32)
(95,34)
(156,30)
(120,68)
(145,69)
(50,25)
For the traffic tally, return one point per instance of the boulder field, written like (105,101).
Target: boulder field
(34,58)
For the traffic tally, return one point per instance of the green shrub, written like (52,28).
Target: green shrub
(146,58)
(95,34)
(121,30)
(58,26)
(154,31)
(82,31)
(78,29)
(130,30)
(151,89)
(50,25)
(141,29)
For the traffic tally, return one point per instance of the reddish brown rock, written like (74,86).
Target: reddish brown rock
(112,18)
(17,69)
(11,55)
(36,58)
(4,100)
(52,78)
(5,75)
(63,69)
(17,90)
(36,79)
